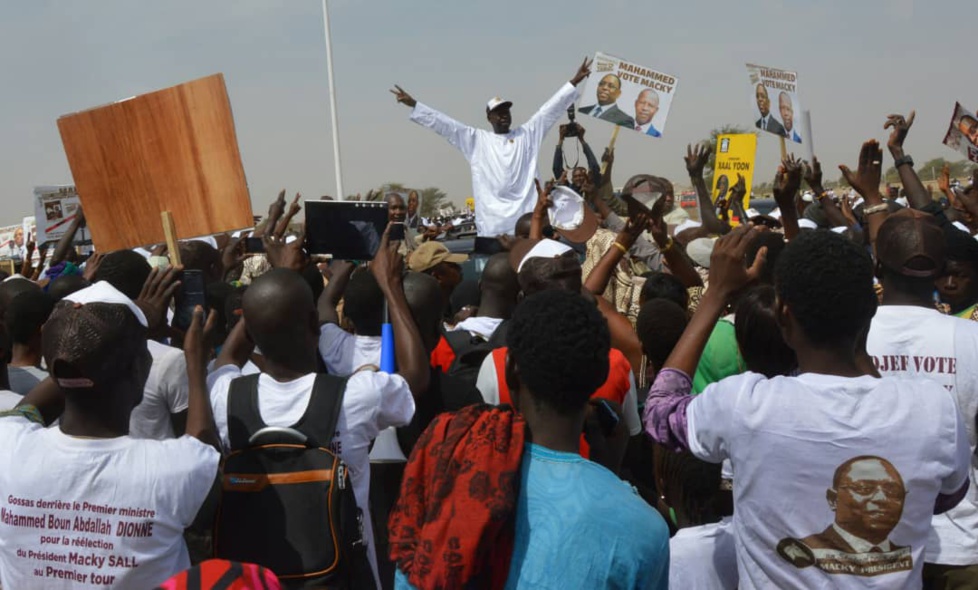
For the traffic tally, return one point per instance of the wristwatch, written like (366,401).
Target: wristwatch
(903,160)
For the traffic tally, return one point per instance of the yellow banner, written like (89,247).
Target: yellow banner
(735,155)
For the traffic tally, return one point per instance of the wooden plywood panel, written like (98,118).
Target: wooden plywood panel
(170,150)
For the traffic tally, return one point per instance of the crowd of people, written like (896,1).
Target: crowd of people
(623,398)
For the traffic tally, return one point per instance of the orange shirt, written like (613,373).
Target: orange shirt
(442,356)
(615,387)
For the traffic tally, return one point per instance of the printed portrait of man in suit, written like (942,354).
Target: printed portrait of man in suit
(787,111)
(968,126)
(767,122)
(867,496)
(646,106)
(609,89)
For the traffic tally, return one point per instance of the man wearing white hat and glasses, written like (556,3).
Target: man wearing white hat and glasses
(504,161)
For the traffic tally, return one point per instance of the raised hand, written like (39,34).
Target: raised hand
(813,175)
(608,156)
(582,72)
(233,253)
(26,266)
(294,209)
(544,202)
(278,253)
(633,229)
(788,179)
(696,159)
(657,226)
(154,298)
(403,97)
(944,181)
(387,265)
(866,179)
(738,191)
(901,127)
(728,271)
(723,208)
(846,205)
(196,347)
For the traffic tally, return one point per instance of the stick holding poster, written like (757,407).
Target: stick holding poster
(806,127)
(767,86)
(962,132)
(735,155)
(611,148)
(628,95)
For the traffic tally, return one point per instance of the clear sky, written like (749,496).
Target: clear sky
(857,61)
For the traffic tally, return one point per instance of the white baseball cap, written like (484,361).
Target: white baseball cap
(496,102)
(571,216)
(544,249)
(104,292)
(700,250)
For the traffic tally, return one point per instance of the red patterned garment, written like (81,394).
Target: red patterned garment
(453,524)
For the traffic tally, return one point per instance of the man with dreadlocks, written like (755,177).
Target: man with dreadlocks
(85,504)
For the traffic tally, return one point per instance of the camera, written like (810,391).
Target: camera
(573,130)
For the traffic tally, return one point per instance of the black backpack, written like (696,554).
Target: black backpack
(470,351)
(287,500)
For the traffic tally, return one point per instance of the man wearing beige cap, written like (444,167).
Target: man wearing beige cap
(504,161)
(435,259)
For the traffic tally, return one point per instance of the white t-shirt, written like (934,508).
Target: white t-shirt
(24,379)
(906,340)
(704,557)
(343,353)
(488,385)
(96,513)
(478,325)
(790,438)
(503,166)
(9,400)
(166,393)
(372,401)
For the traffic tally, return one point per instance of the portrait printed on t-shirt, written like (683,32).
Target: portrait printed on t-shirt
(867,496)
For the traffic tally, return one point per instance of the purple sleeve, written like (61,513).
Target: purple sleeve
(665,409)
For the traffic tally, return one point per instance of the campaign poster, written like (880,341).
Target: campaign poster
(628,95)
(735,155)
(55,208)
(412,200)
(774,102)
(962,132)
(12,241)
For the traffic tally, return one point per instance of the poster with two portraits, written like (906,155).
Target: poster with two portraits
(962,132)
(775,103)
(628,95)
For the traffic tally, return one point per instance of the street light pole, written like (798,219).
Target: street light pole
(340,195)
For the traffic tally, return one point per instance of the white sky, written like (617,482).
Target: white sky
(857,61)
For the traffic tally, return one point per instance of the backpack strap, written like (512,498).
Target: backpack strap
(462,342)
(244,418)
(323,412)
(498,338)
